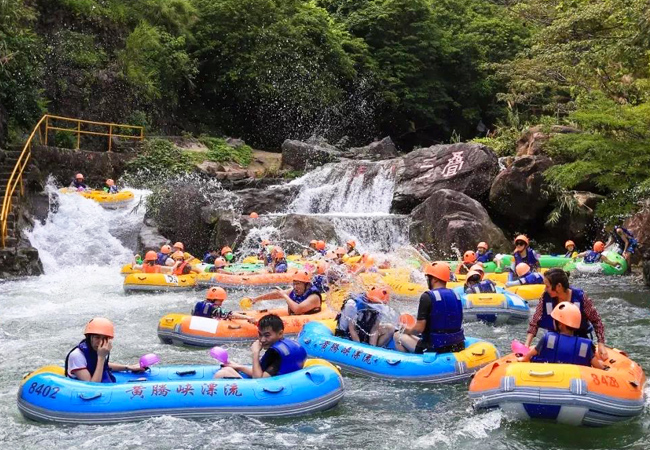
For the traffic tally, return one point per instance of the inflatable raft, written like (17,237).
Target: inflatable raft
(545,261)
(158,282)
(231,281)
(565,393)
(319,341)
(582,267)
(46,395)
(109,201)
(184,329)
(502,307)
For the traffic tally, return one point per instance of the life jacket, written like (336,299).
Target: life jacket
(162,258)
(78,185)
(352,253)
(619,240)
(146,268)
(570,254)
(111,189)
(592,257)
(365,319)
(91,362)
(301,298)
(292,356)
(529,259)
(445,321)
(203,309)
(483,287)
(208,258)
(179,269)
(532,278)
(485,257)
(562,349)
(280,266)
(320,283)
(577,298)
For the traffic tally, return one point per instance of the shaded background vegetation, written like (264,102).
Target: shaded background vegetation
(422,71)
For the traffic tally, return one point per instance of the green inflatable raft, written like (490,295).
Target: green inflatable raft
(579,266)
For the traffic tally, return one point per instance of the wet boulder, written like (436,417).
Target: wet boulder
(294,230)
(452,220)
(518,192)
(376,151)
(269,200)
(298,155)
(466,167)
(577,222)
(19,261)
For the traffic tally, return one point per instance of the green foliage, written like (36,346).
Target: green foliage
(220,151)
(159,157)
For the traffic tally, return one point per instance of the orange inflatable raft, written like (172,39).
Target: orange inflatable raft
(233,281)
(565,393)
(184,329)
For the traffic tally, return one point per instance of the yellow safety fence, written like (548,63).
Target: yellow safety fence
(41,131)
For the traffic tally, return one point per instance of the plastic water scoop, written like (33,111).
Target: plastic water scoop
(519,348)
(220,354)
(407,319)
(149,360)
(246,303)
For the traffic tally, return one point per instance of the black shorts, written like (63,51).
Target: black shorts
(423,348)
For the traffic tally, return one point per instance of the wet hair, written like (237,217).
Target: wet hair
(474,279)
(271,321)
(557,276)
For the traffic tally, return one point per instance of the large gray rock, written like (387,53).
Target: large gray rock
(467,167)
(639,225)
(19,261)
(269,200)
(452,219)
(376,151)
(518,193)
(298,155)
(149,238)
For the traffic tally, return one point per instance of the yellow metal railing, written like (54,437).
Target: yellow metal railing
(43,127)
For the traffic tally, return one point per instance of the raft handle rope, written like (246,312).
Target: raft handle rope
(550,373)
(94,396)
(481,353)
(182,373)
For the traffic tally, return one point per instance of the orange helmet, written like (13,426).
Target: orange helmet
(378,295)
(178,256)
(368,260)
(599,246)
(226,250)
(567,244)
(320,245)
(482,245)
(522,269)
(302,276)
(254,215)
(321,267)
(166,249)
(469,257)
(478,268)
(179,245)
(330,255)
(313,242)
(79,176)
(568,314)
(102,326)
(219,262)
(439,270)
(340,251)
(279,253)
(351,243)
(110,182)
(216,293)
(521,237)
(472,273)
(150,256)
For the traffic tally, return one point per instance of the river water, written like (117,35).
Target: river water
(82,249)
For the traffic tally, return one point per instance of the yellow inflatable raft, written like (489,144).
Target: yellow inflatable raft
(110,201)
(158,282)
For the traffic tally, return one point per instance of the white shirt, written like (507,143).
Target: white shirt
(76,361)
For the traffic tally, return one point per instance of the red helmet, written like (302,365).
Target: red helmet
(439,270)
(320,245)
(102,326)
(469,257)
(599,246)
(216,293)
(254,215)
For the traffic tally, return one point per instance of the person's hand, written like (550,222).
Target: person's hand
(602,351)
(626,255)
(135,368)
(520,358)
(256,347)
(232,365)
(252,320)
(105,348)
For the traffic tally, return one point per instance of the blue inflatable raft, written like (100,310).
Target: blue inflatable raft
(319,342)
(183,391)
(494,308)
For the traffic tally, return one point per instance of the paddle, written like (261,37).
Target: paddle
(220,354)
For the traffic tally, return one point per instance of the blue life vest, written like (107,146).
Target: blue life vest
(532,278)
(529,259)
(208,258)
(111,189)
(577,298)
(445,322)
(483,287)
(269,260)
(292,356)
(91,362)
(78,185)
(621,244)
(365,320)
(301,298)
(562,349)
(203,309)
(320,283)
(485,257)
(162,258)
(569,254)
(592,257)
(281,266)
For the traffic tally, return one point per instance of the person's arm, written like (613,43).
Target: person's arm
(528,356)
(608,261)
(516,282)
(625,239)
(246,370)
(374,334)
(102,353)
(352,329)
(424,309)
(533,325)
(273,295)
(597,363)
(115,367)
(256,371)
(581,255)
(311,302)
